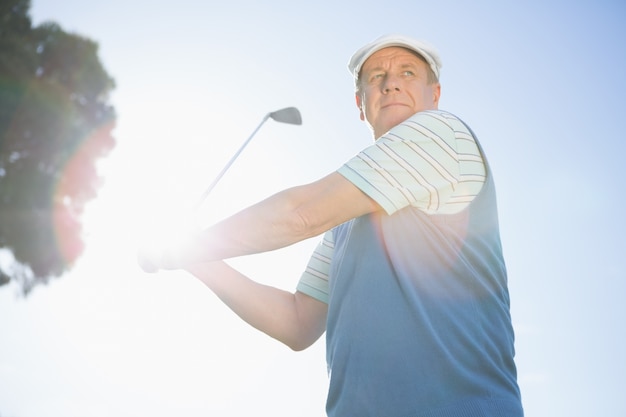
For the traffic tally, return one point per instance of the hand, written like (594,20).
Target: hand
(147,262)
(169,254)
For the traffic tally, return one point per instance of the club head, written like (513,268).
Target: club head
(289,115)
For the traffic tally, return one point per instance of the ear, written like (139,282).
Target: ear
(436,94)
(359,104)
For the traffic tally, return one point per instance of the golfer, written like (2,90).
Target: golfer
(408,281)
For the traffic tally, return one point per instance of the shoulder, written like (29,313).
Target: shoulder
(437,126)
(437,121)
(426,128)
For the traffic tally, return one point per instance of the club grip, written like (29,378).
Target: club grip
(145,263)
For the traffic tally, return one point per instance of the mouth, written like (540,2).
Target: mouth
(388,105)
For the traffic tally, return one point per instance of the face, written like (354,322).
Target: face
(394,86)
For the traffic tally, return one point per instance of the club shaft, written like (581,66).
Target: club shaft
(227,166)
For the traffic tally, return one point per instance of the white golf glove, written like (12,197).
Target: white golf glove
(173,253)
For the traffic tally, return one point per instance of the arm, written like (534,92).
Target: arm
(296,320)
(283,219)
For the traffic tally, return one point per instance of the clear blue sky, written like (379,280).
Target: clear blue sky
(542,84)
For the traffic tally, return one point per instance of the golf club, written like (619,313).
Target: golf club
(289,115)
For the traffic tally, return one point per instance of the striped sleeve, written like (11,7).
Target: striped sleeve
(418,163)
(314,279)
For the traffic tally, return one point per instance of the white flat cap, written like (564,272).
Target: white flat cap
(428,52)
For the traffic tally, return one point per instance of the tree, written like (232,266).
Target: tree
(55,123)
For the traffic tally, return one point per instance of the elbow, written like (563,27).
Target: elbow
(298,345)
(305,336)
(307,224)
(302,336)
(301,218)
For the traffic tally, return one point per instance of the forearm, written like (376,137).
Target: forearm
(279,314)
(268,225)
(283,219)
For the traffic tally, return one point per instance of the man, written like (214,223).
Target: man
(409,281)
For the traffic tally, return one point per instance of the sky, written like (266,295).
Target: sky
(540,82)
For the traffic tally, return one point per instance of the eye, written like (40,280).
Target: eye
(408,73)
(376,76)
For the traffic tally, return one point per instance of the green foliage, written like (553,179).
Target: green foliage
(55,122)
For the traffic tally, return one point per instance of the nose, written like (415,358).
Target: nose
(391,84)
